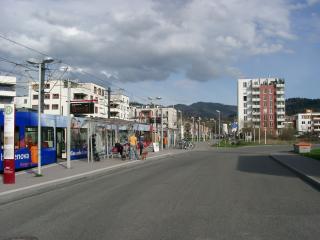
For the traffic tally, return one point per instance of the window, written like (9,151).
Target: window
(245,118)
(271,117)
(47,86)
(265,90)
(303,122)
(46,107)
(270,110)
(55,96)
(270,91)
(35,96)
(95,89)
(244,84)
(264,104)
(34,106)
(245,111)
(47,96)
(96,110)
(244,98)
(31,136)
(264,97)
(55,106)
(99,91)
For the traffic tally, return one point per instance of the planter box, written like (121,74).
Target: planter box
(302,147)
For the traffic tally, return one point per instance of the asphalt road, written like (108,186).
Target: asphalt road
(201,195)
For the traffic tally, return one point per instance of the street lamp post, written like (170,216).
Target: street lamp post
(41,66)
(212,119)
(192,128)
(180,124)
(199,129)
(153,99)
(219,125)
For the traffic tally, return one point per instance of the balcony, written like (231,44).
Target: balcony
(8,93)
(255,119)
(255,92)
(280,112)
(256,106)
(280,99)
(255,99)
(280,92)
(316,123)
(255,113)
(280,85)
(280,126)
(115,110)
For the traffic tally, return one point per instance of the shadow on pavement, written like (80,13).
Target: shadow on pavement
(261,164)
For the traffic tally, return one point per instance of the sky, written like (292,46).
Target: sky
(182,51)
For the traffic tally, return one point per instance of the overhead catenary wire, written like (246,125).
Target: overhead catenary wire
(101,80)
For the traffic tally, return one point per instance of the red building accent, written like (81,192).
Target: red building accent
(268,117)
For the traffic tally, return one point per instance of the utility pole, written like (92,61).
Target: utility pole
(198,138)
(219,126)
(161,129)
(259,135)
(69,126)
(42,69)
(109,102)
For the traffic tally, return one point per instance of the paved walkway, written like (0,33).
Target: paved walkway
(306,168)
(57,173)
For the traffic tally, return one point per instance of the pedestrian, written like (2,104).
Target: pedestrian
(133,147)
(141,146)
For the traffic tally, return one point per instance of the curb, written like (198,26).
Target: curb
(309,179)
(44,187)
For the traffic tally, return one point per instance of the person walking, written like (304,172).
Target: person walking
(141,146)
(133,147)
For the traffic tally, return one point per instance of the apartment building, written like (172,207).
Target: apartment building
(147,114)
(119,105)
(261,104)
(308,122)
(7,90)
(55,97)
(152,116)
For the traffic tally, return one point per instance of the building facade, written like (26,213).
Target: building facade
(7,90)
(308,122)
(119,105)
(261,104)
(152,115)
(56,93)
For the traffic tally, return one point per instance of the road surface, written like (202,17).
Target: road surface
(202,194)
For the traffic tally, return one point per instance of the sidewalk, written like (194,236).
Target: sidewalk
(307,168)
(57,174)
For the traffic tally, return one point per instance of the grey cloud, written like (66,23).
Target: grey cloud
(149,40)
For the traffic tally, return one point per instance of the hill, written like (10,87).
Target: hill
(208,110)
(299,105)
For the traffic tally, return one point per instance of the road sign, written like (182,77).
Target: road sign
(8,145)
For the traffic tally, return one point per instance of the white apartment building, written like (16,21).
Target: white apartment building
(261,104)
(119,105)
(55,97)
(308,122)
(147,115)
(7,90)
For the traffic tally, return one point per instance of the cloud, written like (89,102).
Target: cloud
(148,40)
